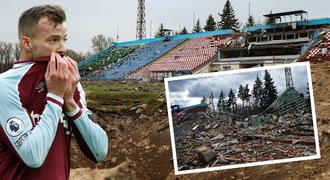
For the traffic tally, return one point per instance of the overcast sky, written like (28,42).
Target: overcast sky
(191,90)
(86,18)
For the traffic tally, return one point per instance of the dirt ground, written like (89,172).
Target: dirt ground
(140,146)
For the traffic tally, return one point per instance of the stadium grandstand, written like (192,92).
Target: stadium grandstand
(262,45)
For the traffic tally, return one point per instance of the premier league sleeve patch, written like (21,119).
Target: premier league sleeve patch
(14,126)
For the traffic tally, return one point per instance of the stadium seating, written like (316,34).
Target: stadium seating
(320,52)
(93,70)
(189,56)
(139,58)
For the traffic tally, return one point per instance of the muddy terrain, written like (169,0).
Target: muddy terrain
(140,146)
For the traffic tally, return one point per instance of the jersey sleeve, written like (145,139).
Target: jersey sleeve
(90,137)
(31,143)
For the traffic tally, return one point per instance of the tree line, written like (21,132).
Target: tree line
(228,20)
(254,101)
(8,52)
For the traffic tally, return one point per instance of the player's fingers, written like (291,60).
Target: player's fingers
(62,65)
(52,63)
(74,68)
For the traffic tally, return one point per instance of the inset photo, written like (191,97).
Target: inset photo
(242,118)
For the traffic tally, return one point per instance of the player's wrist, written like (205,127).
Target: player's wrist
(56,93)
(70,105)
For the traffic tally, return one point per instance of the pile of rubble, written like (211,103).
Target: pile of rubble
(212,140)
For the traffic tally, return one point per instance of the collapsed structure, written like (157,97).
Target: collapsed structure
(207,139)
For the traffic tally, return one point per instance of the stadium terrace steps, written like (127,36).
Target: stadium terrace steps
(144,69)
(101,67)
(318,53)
(190,56)
(94,70)
(140,57)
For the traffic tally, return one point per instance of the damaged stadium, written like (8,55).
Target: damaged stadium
(204,138)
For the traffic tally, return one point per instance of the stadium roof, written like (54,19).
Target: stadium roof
(288,13)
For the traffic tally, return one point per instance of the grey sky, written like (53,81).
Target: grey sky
(190,91)
(87,18)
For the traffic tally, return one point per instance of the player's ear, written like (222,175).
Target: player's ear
(26,43)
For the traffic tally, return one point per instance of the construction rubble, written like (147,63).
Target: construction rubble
(210,139)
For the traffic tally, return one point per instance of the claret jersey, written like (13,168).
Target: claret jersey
(35,132)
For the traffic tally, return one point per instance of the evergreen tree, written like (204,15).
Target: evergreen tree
(241,95)
(184,31)
(160,32)
(197,27)
(269,91)
(244,95)
(228,19)
(204,100)
(250,21)
(247,96)
(231,102)
(210,24)
(221,102)
(270,21)
(257,92)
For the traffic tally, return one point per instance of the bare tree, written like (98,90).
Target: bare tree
(6,55)
(100,43)
(2,55)
(17,50)
(79,57)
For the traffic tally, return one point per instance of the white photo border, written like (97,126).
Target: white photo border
(175,163)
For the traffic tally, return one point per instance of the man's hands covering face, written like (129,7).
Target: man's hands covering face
(62,77)
(57,75)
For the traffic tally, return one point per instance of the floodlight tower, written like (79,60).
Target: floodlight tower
(141,21)
(288,77)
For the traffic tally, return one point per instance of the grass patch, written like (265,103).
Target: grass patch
(113,96)
(152,105)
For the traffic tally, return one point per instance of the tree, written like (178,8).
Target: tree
(231,102)
(100,43)
(241,96)
(228,19)
(6,55)
(184,31)
(247,96)
(221,102)
(16,51)
(197,27)
(210,24)
(204,100)
(270,21)
(160,32)
(78,57)
(269,92)
(257,93)
(250,21)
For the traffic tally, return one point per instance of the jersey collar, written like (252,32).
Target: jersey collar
(40,59)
